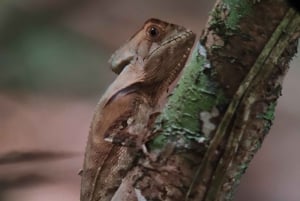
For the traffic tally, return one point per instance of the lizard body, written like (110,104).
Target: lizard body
(147,64)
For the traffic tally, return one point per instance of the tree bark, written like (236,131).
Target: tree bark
(222,108)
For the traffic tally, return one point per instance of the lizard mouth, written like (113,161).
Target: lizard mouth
(179,38)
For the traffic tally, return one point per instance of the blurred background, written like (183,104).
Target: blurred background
(53,70)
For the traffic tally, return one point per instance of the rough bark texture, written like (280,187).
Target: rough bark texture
(222,108)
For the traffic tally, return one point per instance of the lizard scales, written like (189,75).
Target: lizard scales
(148,65)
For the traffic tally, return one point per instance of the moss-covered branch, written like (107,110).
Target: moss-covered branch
(222,107)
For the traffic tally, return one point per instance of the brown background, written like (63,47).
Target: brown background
(53,69)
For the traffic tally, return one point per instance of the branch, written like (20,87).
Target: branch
(222,108)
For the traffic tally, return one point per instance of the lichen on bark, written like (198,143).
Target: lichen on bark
(196,92)
(253,92)
(223,106)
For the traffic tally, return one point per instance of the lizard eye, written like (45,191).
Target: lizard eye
(153,32)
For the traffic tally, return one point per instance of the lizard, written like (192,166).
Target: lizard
(148,66)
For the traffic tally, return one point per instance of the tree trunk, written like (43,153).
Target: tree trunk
(222,108)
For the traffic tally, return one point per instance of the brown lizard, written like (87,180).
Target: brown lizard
(148,65)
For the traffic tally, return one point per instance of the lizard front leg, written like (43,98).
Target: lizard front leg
(106,163)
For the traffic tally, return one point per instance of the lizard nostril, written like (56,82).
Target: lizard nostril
(117,68)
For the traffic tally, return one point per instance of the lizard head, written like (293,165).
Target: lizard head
(156,44)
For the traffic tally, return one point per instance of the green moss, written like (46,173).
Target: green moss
(196,92)
(268,116)
(234,10)
(237,9)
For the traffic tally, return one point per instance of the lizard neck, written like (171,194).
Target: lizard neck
(158,92)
